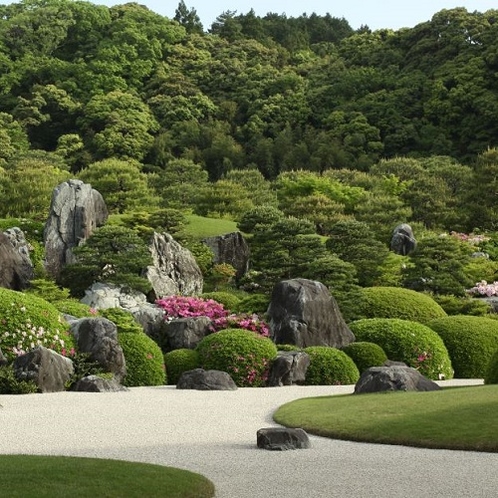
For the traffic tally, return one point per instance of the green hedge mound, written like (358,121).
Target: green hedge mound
(396,302)
(410,342)
(179,361)
(330,366)
(228,300)
(471,342)
(245,355)
(491,376)
(365,354)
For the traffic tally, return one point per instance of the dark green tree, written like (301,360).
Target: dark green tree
(188,18)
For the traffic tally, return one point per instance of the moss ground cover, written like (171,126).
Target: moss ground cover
(200,227)
(461,418)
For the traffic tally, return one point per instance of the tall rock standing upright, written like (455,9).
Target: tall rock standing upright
(76,211)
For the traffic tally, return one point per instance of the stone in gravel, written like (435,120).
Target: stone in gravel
(96,384)
(282,438)
(288,368)
(206,380)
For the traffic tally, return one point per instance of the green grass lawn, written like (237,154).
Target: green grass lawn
(29,476)
(201,227)
(454,418)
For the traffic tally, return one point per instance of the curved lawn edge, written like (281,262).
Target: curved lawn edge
(462,418)
(32,476)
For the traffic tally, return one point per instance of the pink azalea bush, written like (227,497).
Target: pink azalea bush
(482,288)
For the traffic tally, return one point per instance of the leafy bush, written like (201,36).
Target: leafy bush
(491,375)
(9,384)
(83,367)
(228,300)
(330,366)
(124,320)
(179,361)
(75,308)
(246,356)
(454,305)
(27,321)
(470,340)
(365,354)
(47,289)
(144,360)
(410,342)
(395,302)
(253,303)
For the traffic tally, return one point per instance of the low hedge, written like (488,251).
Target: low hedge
(365,354)
(491,376)
(179,361)
(330,366)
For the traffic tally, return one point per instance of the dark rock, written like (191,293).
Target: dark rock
(289,367)
(232,249)
(183,333)
(49,370)
(174,270)
(403,242)
(99,338)
(206,380)
(151,319)
(16,269)
(282,438)
(96,384)
(76,211)
(302,312)
(393,378)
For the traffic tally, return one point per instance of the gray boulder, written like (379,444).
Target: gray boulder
(49,370)
(174,270)
(76,211)
(395,377)
(403,241)
(232,249)
(103,296)
(151,319)
(206,380)
(282,438)
(183,333)
(288,368)
(99,338)
(96,384)
(302,312)
(16,269)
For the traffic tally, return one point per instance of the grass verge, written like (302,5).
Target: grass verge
(201,227)
(462,418)
(34,476)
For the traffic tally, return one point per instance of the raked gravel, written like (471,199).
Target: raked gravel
(214,433)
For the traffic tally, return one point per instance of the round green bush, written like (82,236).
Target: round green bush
(179,361)
(330,366)
(470,340)
(254,303)
(410,342)
(144,360)
(365,354)
(28,321)
(74,308)
(491,376)
(396,302)
(245,355)
(124,320)
(228,300)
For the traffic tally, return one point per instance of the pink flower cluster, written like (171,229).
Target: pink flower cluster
(469,238)
(482,288)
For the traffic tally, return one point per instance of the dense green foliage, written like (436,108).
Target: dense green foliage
(365,354)
(471,342)
(124,320)
(144,360)
(491,375)
(179,361)
(74,308)
(330,366)
(10,384)
(246,356)
(228,300)
(410,342)
(395,302)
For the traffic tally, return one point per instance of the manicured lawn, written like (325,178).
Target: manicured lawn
(201,227)
(453,418)
(29,476)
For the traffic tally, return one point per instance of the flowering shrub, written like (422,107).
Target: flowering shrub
(471,238)
(27,321)
(482,288)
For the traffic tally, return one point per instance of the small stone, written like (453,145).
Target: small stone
(282,438)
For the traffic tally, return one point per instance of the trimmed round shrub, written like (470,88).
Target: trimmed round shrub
(28,321)
(179,361)
(245,355)
(365,354)
(75,308)
(254,303)
(491,376)
(330,366)
(228,300)
(124,320)
(396,302)
(144,360)
(410,342)
(471,342)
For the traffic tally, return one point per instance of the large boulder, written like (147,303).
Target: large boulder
(206,380)
(76,211)
(302,312)
(49,370)
(99,338)
(288,368)
(183,333)
(102,296)
(96,384)
(393,377)
(16,268)
(403,241)
(232,249)
(174,270)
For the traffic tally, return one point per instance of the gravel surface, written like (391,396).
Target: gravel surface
(214,433)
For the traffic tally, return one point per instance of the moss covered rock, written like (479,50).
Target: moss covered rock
(330,366)
(415,344)
(179,361)
(396,302)
(245,355)
(365,354)
(471,341)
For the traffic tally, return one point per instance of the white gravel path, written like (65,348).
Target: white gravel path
(214,433)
